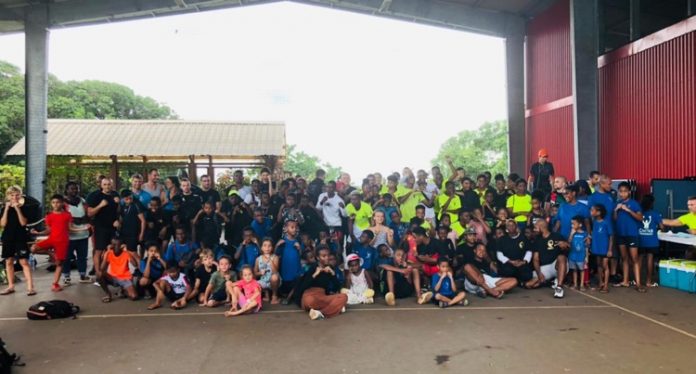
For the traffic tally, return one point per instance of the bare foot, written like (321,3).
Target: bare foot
(153,306)
(230,313)
(275,301)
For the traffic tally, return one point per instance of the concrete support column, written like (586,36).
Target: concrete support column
(514,60)
(583,39)
(36,99)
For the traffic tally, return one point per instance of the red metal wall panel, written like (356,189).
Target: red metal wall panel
(553,130)
(647,104)
(549,89)
(548,56)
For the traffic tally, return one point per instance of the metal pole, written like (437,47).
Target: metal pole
(36,99)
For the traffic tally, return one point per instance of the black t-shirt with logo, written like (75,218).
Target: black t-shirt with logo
(513,248)
(548,248)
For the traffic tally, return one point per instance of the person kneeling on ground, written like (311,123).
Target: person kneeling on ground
(174,286)
(114,270)
(550,257)
(312,292)
(358,283)
(481,274)
(245,294)
(445,289)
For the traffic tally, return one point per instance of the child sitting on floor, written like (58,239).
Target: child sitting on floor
(173,286)
(358,284)
(115,272)
(202,275)
(152,267)
(245,294)
(445,288)
(216,292)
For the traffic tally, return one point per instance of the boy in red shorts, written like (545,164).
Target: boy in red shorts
(58,227)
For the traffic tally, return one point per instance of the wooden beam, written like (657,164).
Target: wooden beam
(114,172)
(211,171)
(192,172)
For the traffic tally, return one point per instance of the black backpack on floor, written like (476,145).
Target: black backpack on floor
(53,309)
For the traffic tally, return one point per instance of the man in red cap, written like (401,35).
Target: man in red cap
(541,174)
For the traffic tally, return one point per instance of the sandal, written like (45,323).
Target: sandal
(31,292)
(621,285)
(653,285)
(603,290)
(7,291)
(106,299)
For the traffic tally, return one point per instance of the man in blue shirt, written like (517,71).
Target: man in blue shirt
(602,196)
(570,209)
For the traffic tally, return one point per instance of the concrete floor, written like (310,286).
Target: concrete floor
(528,332)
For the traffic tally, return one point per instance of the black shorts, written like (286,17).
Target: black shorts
(402,287)
(131,243)
(651,250)
(15,249)
(173,296)
(288,286)
(219,295)
(523,273)
(628,241)
(102,238)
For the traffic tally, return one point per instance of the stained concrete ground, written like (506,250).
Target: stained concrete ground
(526,332)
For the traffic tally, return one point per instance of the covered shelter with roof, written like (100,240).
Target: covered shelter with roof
(151,143)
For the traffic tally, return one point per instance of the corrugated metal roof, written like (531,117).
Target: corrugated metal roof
(161,138)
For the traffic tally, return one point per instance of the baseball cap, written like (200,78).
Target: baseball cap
(543,153)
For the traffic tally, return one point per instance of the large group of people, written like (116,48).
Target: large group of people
(326,244)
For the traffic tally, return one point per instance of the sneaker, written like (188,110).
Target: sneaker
(442,304)
(370,300)
(66,281)
(343,310)
(558,292)
(315,315)
(464,302)
(481,293)
(56,287)
(554,285)
(425,297)
(390,299)
(85,279)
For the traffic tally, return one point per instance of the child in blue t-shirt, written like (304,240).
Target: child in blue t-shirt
(289,250)
(648,242)
(248,250)
(602,244)
(578,250)
(446,293)
(628,218)
(152,267)
(367,252)
(262,225)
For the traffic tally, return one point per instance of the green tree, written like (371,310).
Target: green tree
(301,163)
(73,99)
(484,149)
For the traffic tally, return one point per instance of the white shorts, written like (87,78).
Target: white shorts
(549,271)
(491,282)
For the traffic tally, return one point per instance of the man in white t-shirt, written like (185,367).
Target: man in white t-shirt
(331,206)
(430,191)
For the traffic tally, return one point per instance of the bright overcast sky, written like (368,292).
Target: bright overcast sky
(366,93)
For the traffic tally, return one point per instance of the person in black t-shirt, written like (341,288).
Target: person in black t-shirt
(443,245)
(313,290)
(103,209)
(191,204)
(550,256)
(465,249)
(154,222)
(482,274)
(541,173)
(131,222)
(207,226)
(208,193)
(515,257)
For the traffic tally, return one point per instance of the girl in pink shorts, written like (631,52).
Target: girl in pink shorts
(245,294)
